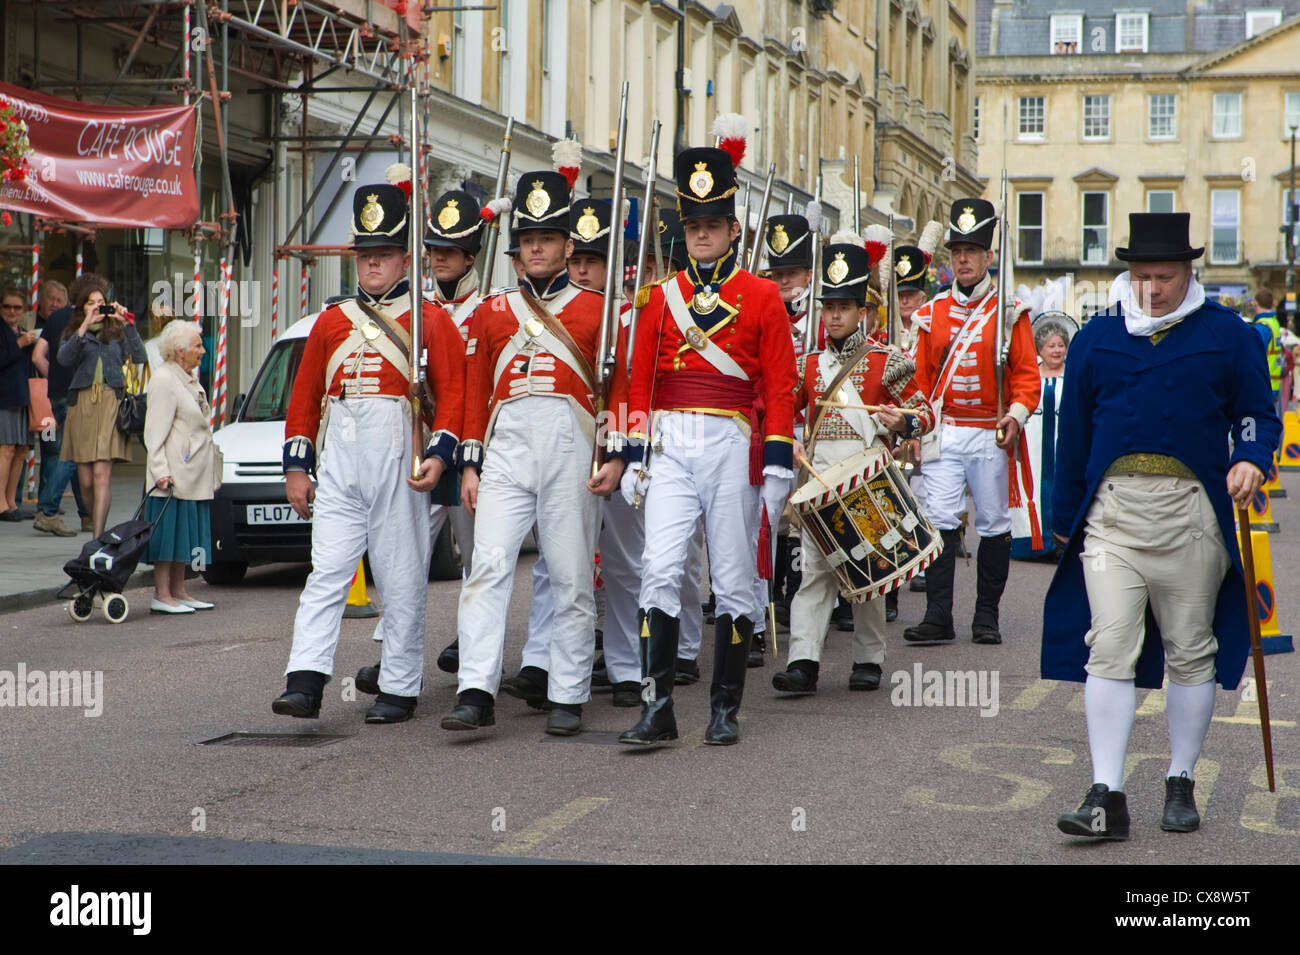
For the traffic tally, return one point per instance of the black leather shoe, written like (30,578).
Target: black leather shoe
(302,695)
(367,680)
(731,643)
(688,672)
(657,724)
(891,606)
(564,720)
(1102,815)
(1180,806)
(391,709)
(473,710)
(529,686)
(917,584)
(627,693)
(799,677)
(599,674)
(842,616)
(926,634)
(985,634)
(449,659)
(757,651)
(865,676)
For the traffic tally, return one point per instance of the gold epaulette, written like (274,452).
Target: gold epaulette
(1147,463)
(643,293)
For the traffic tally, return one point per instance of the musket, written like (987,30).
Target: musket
(648,230)
(757,253)
(494,227)
(789,203)
(415,219)
(1006,309)
(857,199)
(891,304)
(814,235)
(605,359)
(1256,646)
(742,241)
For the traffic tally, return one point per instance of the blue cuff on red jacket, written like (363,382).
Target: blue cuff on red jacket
(470,454)
(299,455)
(779,451)
(442,445)
(628,450)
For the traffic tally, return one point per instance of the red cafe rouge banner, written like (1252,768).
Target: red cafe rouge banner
(109,165)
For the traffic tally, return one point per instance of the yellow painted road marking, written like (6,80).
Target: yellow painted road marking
(691,741)
(1032,695)
(1248,712)
(1153,704)
(530,838)
(1076,702)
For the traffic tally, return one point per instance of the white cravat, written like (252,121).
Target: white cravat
(1143,325)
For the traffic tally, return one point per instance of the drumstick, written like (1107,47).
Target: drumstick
(813,471)
(836,403)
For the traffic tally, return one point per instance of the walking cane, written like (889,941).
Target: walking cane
(1256,650)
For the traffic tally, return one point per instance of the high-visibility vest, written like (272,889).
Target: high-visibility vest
(1269,320)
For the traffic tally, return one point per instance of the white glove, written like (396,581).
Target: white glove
(776,489)
(634,480)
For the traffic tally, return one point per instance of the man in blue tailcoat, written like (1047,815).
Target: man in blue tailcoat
(1151,581)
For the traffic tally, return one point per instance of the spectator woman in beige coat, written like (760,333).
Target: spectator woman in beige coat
(182,462)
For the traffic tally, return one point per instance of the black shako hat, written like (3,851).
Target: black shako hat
(973,221)
(455,223)
(589,221)
(706,183)
(1159,237)
(672,238)
(379,217)
(845,272)
(911,267)
(786,242)
(541,202)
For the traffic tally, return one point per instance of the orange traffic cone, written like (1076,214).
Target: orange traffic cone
(359,605)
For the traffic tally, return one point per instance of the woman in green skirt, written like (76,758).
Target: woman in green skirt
(182,464)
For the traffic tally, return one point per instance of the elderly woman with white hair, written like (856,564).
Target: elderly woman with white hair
(1053,331)
(182,464)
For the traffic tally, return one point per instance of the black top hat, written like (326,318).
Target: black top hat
(379,217)
(787,243)
(589,226)
(1159,237)
(845,272)
(973,221)
(706,183)
(911,266)
(541,202)
(455,223)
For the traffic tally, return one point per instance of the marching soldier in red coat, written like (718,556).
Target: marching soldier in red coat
(349,421)
(529,427)
(713,375)
(955,367)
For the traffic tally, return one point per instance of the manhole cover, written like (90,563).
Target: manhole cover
(272,739)
(599,737)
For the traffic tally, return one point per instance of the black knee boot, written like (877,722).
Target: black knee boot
(731,641)
(302,695)
(658,662)
(992,564)
(937,625)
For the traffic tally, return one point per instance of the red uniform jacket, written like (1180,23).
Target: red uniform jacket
(868,377)
(757,338)
(530,372)
(446,373)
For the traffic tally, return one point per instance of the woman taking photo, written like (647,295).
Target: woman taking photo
(182,464)
(98,341)
(15,368)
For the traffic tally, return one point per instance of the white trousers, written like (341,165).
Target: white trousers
(819,589)
(534,472)
(622,541)
(970,458)
(462,525)
(702,469)
(363,503)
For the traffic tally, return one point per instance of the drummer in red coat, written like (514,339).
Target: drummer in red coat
(955,367)
(714,364)
(349,421)
(875,376)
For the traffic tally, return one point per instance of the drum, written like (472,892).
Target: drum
(865,520)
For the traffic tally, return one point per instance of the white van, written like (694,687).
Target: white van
(252,522)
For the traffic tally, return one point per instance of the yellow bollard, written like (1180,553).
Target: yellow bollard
(359,605)
(1274,484)
(1290,454)
(1261,514)
(1272,638)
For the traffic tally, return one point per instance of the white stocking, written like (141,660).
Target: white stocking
(1110,706)
(1189,709)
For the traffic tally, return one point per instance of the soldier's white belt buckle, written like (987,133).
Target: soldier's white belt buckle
(370,331)
(696,338)
(533,327)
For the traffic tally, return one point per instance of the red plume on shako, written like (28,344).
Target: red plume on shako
(731,130)
(399,175)
(566,156)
